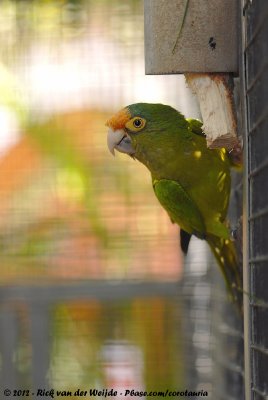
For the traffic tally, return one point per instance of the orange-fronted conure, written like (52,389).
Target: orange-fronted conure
(191,181)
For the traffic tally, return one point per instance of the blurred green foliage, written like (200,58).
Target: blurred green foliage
(79,174)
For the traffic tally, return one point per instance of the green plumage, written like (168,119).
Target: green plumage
(190,181)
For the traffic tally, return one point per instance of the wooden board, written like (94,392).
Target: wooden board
(191,36)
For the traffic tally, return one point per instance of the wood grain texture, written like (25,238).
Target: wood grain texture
(215,96)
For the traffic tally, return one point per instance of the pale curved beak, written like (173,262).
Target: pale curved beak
(118,140)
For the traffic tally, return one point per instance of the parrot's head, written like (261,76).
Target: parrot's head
(138,127)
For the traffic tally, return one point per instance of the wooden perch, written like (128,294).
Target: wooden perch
(215,96)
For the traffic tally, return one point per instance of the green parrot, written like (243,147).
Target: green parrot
(191,181)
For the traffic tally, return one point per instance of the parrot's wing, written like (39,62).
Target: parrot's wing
(196,126)
(234,156)
(180,206)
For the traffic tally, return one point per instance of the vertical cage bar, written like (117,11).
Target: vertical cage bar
(246,272)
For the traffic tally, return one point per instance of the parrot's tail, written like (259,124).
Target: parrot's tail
(226,256)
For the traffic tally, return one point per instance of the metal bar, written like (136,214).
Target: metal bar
(39,314)
(258,259)
(246,207)
(262,117)
(260,393)
(259,304)
(245,5)
(261,349)
(8,342)
(112,290)
(256,32)
(230,331)
(258,214)
(231,366)
(257,77)
(255,172)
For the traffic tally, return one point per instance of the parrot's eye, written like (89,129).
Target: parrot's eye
(135,124)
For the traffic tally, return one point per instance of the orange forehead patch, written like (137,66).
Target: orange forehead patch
(119,120)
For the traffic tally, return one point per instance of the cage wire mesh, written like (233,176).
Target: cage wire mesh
(72,64)
(77,228)
(256,79)
(82,284)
